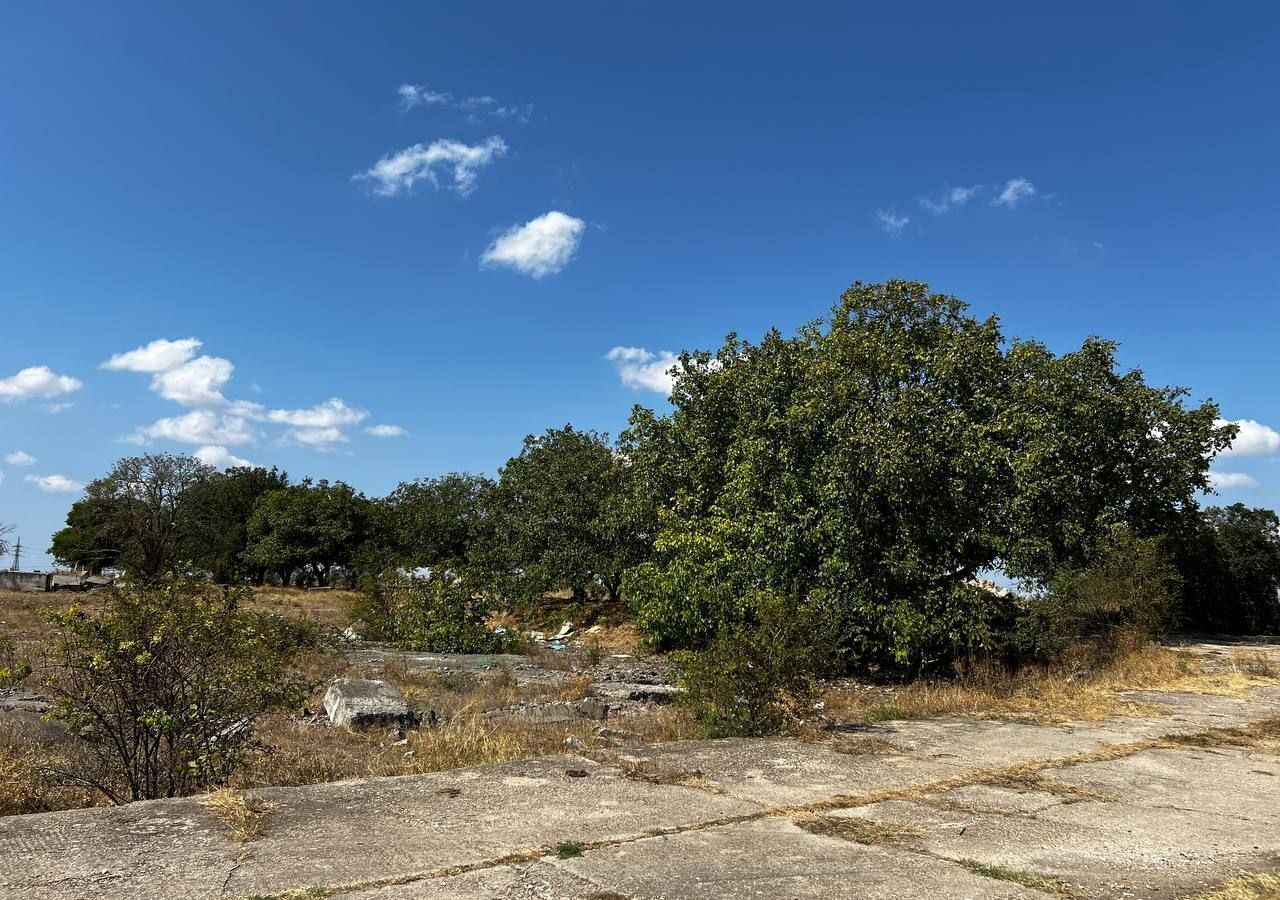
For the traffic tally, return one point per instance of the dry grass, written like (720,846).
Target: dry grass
(299,753)
(1017,876)
(1246,887)
(1084,689)
(326,607)
(246,818)
(29,782)
(857,829)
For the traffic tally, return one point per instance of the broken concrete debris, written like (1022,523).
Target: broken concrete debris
(365,703)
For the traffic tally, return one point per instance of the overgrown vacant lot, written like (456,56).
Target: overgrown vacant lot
(297,746)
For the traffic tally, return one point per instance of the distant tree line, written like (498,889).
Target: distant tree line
(863,473)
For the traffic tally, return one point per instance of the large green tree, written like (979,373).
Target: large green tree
(140,516)
(222,506)
(559,518)
(314,527)
(1229,558)
(432,522)
(880,459)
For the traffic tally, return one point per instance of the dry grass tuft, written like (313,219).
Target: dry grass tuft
(1246,887)
(1085,688)
(246,818)
(656,773)
(29,784)
(1016,876)
(857,829)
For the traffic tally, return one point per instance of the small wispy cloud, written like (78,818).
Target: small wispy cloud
(1228,480)
(540,247)
(1015,190)
(20,458)
(643,369)
(890,223)
(385,431)
(477,108)
(947,199)
(55,484)
(397,173)
(316,438)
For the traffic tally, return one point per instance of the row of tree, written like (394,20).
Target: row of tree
(553,519)
(867,468)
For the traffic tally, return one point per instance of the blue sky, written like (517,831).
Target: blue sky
(447,217)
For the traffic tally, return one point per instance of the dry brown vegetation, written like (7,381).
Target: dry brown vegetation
(1246,887)
(246,817)
(856,829)
(1083,688)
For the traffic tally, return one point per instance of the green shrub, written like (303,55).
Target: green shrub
(163,686)
(12,668)
(1127,593)
(756,676)
(440,614)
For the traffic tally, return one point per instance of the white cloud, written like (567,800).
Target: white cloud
(1227,480)
(36,381)
(400,171)
(890,223)
(220,457)
(412,95)
(1252,439)
(195,383)
(323,415)
(318,438)
(644,370)
(1014,192)
(478,109)
(539,247)
(948,199)
(1,477)
(156,356)
(55,484)
(20,458)
(200,426)
(386,431)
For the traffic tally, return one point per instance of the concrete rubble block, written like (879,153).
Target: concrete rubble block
(365,703)
(592,708)
(643,693)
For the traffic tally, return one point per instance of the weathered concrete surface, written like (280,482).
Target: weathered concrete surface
(365,703)
(1138,821)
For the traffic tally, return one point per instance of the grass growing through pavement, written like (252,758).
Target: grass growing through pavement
(1025,879)
(857,829)
(246,818)
(1246,887)
(568,849)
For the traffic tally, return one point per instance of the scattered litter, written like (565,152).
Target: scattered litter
(620,656)
(555,646)
(576,773)
(594,629)
(565,630)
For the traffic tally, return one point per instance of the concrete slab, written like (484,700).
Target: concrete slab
(781,772)
(772,858)
(1234,783)
(365,703)
(527,881)
(355,832)
(986,744)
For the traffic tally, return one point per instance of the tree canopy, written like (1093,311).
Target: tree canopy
(882,458)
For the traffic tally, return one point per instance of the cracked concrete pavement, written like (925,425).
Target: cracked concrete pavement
(979,809)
